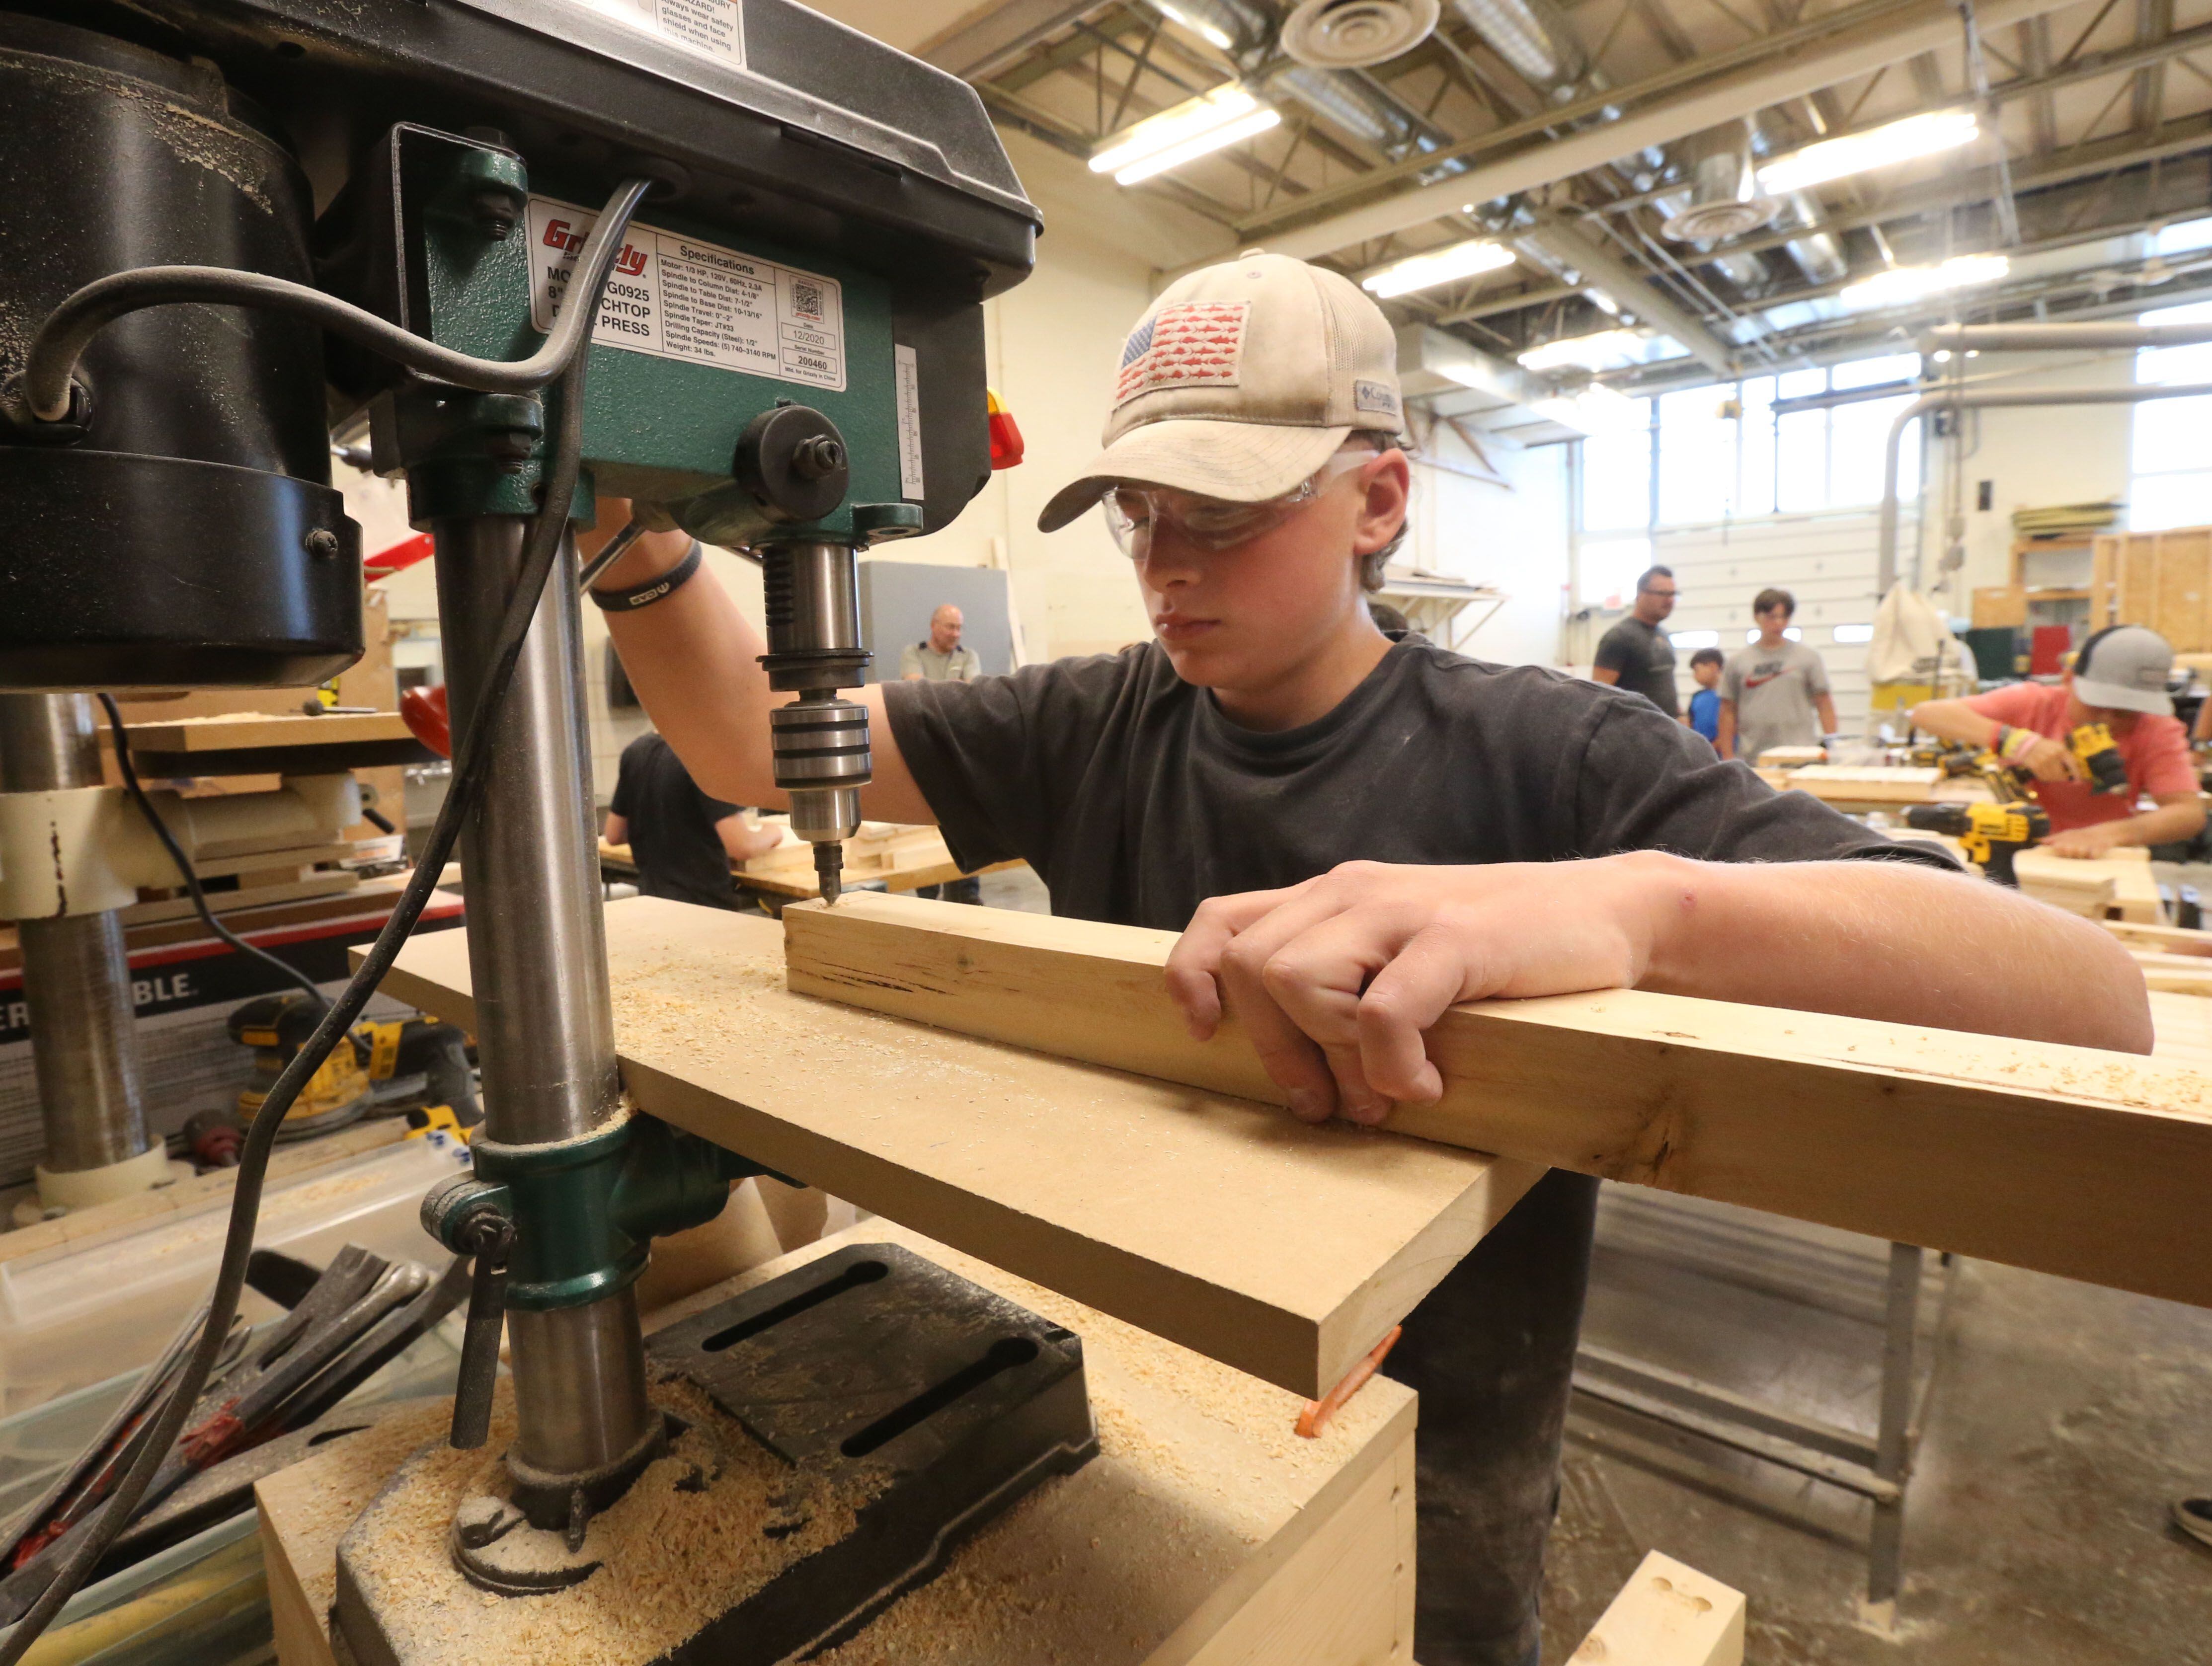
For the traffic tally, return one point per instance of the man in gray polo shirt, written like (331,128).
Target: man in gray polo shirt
(941,658)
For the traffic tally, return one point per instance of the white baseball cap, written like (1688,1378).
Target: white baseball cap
(1239,383)
(2125,667)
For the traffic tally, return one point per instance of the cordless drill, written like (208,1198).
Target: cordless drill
(2093,748)
(1991,835)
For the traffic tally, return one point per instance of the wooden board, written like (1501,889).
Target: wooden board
(2064,1159)
(2135,896)
(1286,1250)
(1667,1615)
(1872,783)
(1205,1533)
(244,730)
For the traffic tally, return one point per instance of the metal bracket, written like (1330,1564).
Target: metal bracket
(583,1212)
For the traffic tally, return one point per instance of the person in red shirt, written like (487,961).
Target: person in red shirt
(2117,679)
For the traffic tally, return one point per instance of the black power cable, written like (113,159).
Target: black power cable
(541,548)
(183,864)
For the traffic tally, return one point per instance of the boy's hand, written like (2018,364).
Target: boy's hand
(2054,760)
(1335,979)
(2094,840)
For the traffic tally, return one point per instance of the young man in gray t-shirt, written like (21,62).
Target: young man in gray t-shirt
(1353,832)
(1774,693)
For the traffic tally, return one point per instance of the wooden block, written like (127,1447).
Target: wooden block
(2167,939)
(1283,1250)
(1205,1533)
(1667,1615)
(243,731)
(1996,606)
(2065,1160)
(2134,896)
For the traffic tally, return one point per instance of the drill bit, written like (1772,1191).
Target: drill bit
(830,869)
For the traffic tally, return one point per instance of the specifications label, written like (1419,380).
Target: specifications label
(714,27)
(678,298)
(908,368)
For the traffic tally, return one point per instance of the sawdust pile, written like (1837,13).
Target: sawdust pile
(675,1555)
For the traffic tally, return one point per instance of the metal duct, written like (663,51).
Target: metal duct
(1818,254)
(1248,29)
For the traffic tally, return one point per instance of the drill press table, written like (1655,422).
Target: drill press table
(1206,1534)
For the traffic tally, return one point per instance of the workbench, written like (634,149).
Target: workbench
(915,858)
(1206,1533)
(254,743)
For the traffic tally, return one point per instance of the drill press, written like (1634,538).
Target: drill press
(786,356)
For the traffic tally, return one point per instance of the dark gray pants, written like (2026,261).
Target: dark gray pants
(1492,1353)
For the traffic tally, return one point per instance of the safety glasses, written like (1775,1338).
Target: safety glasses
(1135,513)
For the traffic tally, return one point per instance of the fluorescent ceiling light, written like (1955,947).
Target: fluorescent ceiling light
(1189,129)
(1879,146)
(1205,31)
(1901,285)
(1437,266)
(1608,349)
(1596,410)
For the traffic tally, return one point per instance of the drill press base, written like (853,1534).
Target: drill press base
(846,1426)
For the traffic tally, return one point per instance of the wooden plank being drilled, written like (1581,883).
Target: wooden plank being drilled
(2065,1160)
(1285,1251)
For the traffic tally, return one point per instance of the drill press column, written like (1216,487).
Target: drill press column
(537,955)
(77,981)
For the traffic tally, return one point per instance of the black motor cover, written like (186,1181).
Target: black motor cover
(187,536)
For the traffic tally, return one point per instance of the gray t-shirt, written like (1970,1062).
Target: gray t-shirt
(1773,689)
(960,665)
(1135,799)
(1642,660)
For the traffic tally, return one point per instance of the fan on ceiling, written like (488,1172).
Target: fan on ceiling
(1351,35)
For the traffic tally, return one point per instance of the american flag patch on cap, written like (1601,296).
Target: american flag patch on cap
(1192,343)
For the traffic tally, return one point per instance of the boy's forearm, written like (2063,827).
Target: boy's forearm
(2169,824)
(693,659)
(1892,941)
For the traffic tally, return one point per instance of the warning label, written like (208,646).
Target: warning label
(715,27)
(677,298)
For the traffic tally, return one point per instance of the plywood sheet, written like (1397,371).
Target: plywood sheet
(2065,1160)
(1226,1226)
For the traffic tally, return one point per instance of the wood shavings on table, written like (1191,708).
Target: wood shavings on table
(675,1555)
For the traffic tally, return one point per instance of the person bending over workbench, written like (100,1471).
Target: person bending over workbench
(2117,679)
(682,840)
(1353,832)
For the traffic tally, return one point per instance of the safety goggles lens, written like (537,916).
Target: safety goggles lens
(1211,525)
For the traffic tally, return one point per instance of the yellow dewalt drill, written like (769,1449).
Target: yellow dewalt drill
(1991,835)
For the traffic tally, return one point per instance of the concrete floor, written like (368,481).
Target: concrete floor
(2063,1420)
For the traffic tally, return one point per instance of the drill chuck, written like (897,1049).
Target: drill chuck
(820,740)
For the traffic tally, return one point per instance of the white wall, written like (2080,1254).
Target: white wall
(1512,536)
(2034,456)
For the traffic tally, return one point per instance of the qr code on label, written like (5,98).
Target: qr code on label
(806,299)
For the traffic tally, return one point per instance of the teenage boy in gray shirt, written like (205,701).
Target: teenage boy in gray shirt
(1774,693)
(1352,833)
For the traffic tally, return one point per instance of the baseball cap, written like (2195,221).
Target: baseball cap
(2124,666)
(1239,382)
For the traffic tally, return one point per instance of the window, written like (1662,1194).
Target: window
(2172,461)
(1792,633)
(1689,642)
(1849,633)
(1721,453)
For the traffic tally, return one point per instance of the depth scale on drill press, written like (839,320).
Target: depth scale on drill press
(794,367)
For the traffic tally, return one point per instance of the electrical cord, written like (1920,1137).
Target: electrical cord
(185,869)
(44,389)
(541,548)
